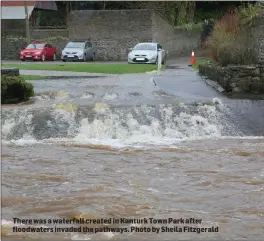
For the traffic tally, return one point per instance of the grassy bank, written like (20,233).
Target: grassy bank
(89,68)
(201,61)
(33,77)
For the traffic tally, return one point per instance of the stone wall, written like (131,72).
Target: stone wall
(7,24)
(258,33)
(177,41)
(112,31)
(13,41)
(11,47)
(10,71)
(246,79)
(115,31)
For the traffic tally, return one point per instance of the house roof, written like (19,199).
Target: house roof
(47,5)
(6,3)
(16,9)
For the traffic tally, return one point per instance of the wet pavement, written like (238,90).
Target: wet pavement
(179,80)
(182,81)
(61,73)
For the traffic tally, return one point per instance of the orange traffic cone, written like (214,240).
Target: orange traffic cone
(193,61)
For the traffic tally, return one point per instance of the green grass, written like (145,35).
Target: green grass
(201,61)
(33,77)
(90,68)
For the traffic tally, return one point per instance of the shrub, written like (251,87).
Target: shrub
(231,41)
(15,89)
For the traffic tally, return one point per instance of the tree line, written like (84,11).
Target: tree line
(176,12)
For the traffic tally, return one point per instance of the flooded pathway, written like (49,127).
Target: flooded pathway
(136,147)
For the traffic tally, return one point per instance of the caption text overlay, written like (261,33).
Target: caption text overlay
(120,225)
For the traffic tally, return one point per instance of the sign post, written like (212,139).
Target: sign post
(159,60)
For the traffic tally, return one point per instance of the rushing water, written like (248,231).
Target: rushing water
(137,153)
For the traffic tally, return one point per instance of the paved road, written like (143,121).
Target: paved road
(178,79)
(50,73)
(182,81)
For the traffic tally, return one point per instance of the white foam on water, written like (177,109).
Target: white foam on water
(104,236)
(101,107)
(110,96)
(153,190)
(109,235)
(241,137)
(137,127)
(126,130)
(10,224)
(7,223)
(9,123)
(21,142)
(87,96)
(7,126)
(75,236)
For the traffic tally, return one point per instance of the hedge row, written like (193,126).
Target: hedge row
(15,89)
(234,40)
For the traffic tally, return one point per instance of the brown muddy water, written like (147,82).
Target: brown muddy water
(86,157)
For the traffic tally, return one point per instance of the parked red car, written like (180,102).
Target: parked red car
(38,51)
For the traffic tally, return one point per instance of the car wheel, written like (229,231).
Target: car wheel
(93,57)
(164,60)
(83,59)
(64,60)
(22,60)
(156,62)
(43,58)
(53,57)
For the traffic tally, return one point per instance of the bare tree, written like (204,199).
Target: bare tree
(27,23)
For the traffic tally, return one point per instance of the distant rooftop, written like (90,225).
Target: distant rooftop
(16,9)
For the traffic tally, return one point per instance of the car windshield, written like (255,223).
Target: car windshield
(75,45)
(35,46)
(145,47)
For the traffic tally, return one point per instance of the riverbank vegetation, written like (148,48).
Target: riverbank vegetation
(200,61)
(232,40)
(88,68)
(14,89)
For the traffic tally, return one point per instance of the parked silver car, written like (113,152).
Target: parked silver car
(78,51)
(146,53)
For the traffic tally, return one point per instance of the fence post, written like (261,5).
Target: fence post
(159,60)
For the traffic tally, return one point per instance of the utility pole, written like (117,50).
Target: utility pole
(27,23)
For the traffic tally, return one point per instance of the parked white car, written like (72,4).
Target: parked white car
(146,53)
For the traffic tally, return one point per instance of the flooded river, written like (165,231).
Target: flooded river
(125,147)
